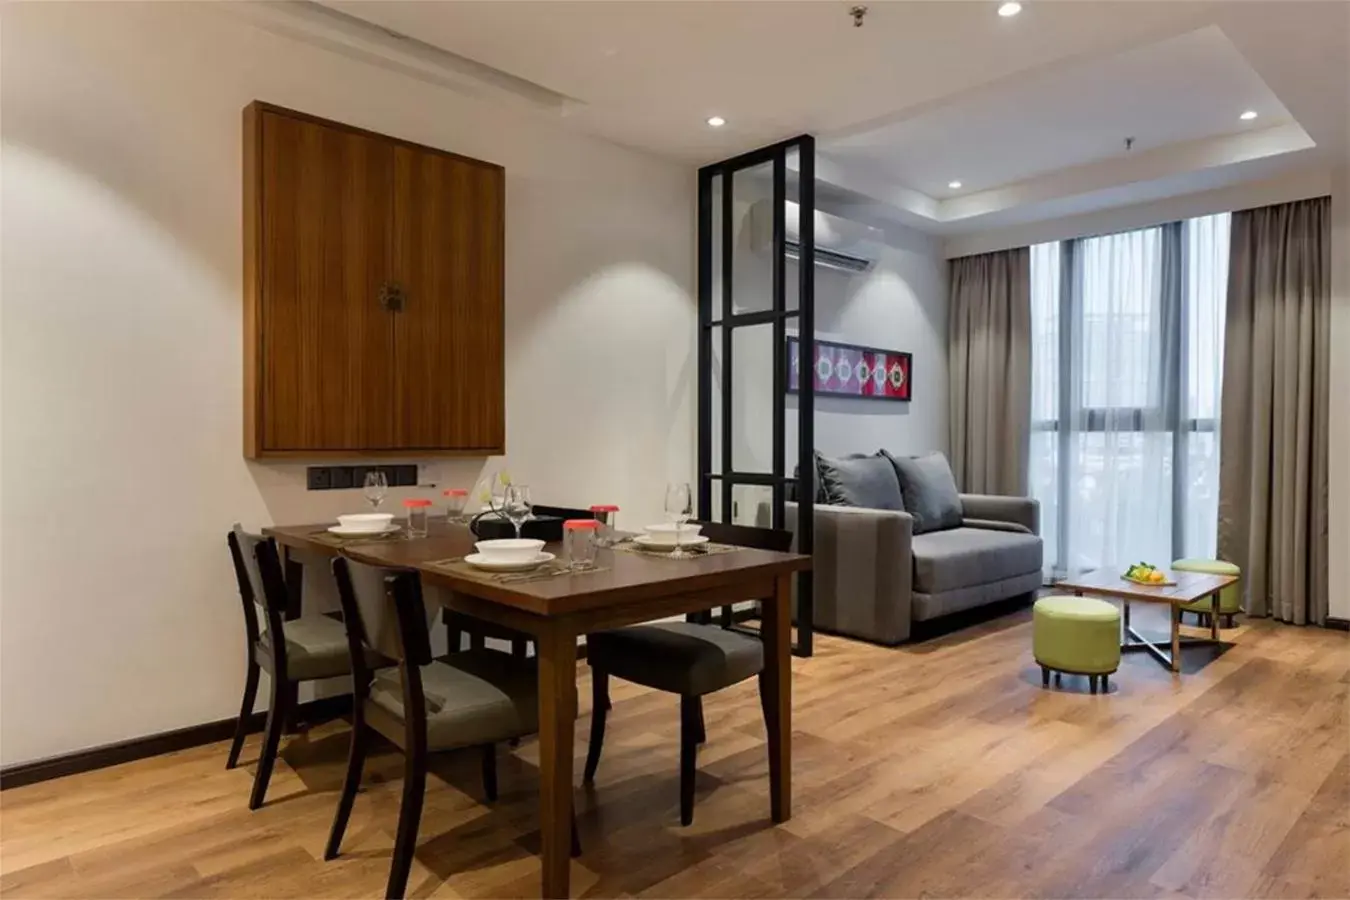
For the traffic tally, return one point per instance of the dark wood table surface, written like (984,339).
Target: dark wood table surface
(630,588)
(1189,587)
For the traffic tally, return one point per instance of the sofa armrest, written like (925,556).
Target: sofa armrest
(1022,511)
(862,571)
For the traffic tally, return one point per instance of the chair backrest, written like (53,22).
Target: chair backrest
(369,595)
(257,568)
(748,536)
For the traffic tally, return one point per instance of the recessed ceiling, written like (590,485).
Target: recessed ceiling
(1028,112)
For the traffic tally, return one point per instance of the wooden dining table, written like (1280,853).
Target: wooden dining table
(626,588)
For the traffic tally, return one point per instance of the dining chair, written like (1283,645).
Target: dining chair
(309,648)
(474,698)
(691,658)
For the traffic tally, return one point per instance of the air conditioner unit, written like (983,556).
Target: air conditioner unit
(840,244)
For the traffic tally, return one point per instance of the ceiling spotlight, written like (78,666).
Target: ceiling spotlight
(1248,115)
(717,121)
(1011,8)
(954,185)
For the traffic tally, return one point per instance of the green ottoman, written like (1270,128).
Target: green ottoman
(1079,635)
(1230,598)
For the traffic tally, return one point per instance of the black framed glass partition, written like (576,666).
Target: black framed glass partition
(756,212)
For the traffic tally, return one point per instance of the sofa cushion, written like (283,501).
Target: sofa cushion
(869,482)
(929,491)
(962,557)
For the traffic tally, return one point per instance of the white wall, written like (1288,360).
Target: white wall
(899,304)
(120,357)
(1338,540)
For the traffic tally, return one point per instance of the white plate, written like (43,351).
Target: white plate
(646,540)
(479,561)
(342,531)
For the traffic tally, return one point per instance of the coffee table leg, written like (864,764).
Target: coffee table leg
(1214,616)
(1176,637)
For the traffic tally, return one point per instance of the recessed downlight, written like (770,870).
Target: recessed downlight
(1009,9)
(954,185)
(716,121)
(1248,115)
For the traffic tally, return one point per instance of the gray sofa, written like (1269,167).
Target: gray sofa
(874,577)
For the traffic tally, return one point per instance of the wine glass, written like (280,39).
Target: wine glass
(678,510)
(516,505)
(376,487)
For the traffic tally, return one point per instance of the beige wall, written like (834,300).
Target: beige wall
(120,344)
(1339,507)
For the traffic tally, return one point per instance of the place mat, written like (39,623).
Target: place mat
(456,565)
(711,548)
(337,540)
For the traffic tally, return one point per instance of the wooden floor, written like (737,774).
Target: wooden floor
(941,769)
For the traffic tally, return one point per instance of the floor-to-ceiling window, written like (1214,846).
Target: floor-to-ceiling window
(1127,334)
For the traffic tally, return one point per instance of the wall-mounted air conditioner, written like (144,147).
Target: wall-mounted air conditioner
(840,244)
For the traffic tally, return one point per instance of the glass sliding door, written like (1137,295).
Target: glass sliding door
(746,308)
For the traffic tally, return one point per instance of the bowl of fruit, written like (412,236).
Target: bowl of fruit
(1143,573)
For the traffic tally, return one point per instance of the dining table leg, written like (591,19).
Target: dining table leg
(1214,616)
(776,632)
(557,651)
(1176,637)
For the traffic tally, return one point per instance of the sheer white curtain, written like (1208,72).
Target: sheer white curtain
(1127,354)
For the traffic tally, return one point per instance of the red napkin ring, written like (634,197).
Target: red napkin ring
(605,508)
(580,523)
(456,492)
(416,502)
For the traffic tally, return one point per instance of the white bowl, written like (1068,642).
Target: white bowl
(510,550)
(665,534)
(360,523)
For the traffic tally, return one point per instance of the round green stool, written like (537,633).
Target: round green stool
(1230,598)
(1078,635)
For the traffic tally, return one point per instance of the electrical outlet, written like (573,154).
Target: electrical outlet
(317,478)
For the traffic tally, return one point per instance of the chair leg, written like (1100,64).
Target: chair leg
(409,817)
(1092,683)
(1227,620)
(245,713)
(490,772)
(576,835)
(599,712)
(702,734)
(689,715)
(356,760)
(1045,677)
(1058,680)
(283,693)
(1104,684)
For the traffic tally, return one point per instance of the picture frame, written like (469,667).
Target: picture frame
(855,370)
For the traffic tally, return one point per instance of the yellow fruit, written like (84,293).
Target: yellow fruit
(1155,576)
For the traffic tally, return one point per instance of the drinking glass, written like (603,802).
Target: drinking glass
(516,505)
(679,507)
(376,487)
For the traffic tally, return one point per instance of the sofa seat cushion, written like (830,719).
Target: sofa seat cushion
(962,557)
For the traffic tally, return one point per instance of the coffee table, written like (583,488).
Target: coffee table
(1189,587)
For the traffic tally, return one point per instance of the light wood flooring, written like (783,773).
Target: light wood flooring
(941,769)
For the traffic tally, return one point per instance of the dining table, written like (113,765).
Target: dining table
(559,608)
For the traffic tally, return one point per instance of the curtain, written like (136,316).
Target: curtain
(1126,373)
(989,362)
(1273,470)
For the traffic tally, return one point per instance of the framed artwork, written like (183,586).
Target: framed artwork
(850,370)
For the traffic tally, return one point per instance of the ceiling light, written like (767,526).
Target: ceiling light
(954,185)
(1248,115)
(717,121)
(1011,8)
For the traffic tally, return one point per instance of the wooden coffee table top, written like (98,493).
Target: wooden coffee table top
(1190,586)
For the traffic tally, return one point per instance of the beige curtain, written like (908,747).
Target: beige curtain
(1273,466)
(989,362)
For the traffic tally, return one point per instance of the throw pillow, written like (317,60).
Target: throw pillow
(865,481)
(929,491)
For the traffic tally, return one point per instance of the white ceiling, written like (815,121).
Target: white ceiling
(1029,112)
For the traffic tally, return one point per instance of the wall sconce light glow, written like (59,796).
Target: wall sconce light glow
(954,185)
(1248,115)
(716,121)
(1009,9)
